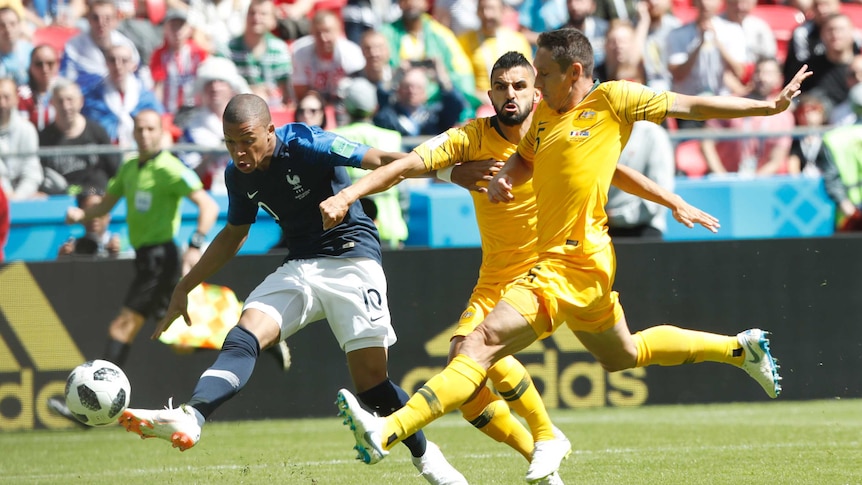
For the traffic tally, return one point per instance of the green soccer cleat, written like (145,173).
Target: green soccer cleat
(367,428)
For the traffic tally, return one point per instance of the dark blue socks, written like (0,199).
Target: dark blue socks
(229,373)
(384,399)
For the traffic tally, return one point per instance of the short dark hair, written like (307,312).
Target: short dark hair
(568,46)
(86,192)
(243,108)
(511,59)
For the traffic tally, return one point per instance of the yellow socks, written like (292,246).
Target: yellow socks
(443,393)
(511,380)
(669,345)
(490,415)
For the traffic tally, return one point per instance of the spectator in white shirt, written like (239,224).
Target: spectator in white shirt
(322,59)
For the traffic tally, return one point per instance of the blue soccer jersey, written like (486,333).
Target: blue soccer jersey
(307,167)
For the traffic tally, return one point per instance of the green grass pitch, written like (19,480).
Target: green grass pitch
(778,442)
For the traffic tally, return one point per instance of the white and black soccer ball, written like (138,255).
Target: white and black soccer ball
(97,392)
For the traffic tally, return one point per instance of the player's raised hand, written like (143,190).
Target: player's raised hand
(689,215)
(469,174)
(333,210)
(178,307)
(500,189)
(792,89)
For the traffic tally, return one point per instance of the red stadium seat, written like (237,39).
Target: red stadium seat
(156,10)
(690,160)
(332,5)
(54,35)
(782,19)
(685,13)
(854,11)
(282,116)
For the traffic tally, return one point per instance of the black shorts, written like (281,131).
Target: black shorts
(157,271)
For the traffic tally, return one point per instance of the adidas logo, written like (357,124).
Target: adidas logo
(36,353)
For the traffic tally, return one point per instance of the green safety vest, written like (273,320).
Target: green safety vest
(845,146)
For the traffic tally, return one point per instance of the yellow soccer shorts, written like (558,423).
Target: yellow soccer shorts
(575,291)
(482,301)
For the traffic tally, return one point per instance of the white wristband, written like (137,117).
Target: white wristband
(445,174)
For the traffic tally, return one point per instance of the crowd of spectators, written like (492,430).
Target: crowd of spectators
(75,72)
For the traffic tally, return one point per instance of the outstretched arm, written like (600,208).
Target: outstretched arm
(516,171)
(207,215)
(635,183)
(220,251)
(375,158)
(707,107)
(333,209)
(76,214)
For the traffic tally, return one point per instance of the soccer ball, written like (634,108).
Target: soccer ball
(97,392)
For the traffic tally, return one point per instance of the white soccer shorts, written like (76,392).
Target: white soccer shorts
(350,293)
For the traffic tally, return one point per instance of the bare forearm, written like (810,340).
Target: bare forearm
(207,214)
(383,178)
(517,170)
(708,107)
(637,184)
(224,247)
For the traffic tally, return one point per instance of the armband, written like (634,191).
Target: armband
(445,174)
(197,240)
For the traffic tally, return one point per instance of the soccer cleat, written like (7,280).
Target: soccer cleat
(181,426)
(59,407)
(758,362)
(367,428)
(282,353)
(553,479)
(435,469)
(547,456)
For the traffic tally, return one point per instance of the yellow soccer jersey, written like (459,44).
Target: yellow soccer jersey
(574,156)
(508,230)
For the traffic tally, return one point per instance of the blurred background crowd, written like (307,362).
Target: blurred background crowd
(388,72)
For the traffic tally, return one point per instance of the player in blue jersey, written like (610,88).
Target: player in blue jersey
(333,274)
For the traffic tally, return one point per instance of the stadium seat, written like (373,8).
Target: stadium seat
(54,35)
(282,116)
(782,19)
(689,159)
(332,5)
(685,13)
(854,11)
(156,10)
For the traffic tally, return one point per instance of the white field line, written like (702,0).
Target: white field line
(158,470)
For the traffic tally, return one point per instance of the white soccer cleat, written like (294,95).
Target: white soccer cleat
(435,469)
(367,428)
(553,479)
(181,426)
(758,362)
(547,456)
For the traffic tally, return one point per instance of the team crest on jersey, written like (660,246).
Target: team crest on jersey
(299,192)
(579,134)
(587,115)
